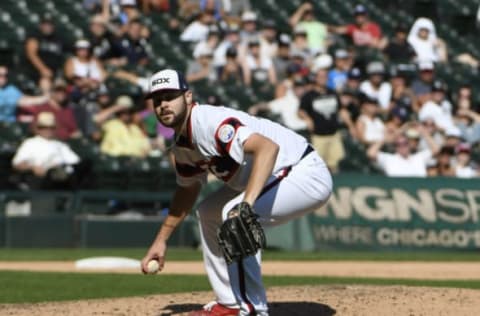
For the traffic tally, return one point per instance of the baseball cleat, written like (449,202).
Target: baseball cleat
(215,309)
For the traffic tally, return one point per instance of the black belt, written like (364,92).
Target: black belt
(284,173)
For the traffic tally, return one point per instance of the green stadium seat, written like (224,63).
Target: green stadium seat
(109,173)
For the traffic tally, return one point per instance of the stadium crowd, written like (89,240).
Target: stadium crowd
(331,83)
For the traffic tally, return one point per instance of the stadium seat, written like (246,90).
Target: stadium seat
(110,173)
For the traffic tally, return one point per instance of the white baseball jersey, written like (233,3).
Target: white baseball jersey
(215,141)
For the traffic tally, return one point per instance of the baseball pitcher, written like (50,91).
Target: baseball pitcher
(270,174)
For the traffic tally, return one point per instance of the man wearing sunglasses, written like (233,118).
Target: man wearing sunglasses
(264,167)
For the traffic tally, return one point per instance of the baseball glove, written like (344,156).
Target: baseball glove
(241,235)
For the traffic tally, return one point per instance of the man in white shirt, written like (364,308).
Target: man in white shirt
(375,86)
(404,163)
(437,107)
(286,107)
(49,160)
(197,31)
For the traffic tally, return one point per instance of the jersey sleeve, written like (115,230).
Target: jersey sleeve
(230,135)
(220,133)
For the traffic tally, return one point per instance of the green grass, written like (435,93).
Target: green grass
(193,255)
(29,287)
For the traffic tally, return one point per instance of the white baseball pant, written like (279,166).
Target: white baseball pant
(307,186)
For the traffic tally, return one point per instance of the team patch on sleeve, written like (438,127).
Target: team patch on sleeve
(226,133)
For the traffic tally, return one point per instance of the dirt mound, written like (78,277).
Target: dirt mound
(284,301)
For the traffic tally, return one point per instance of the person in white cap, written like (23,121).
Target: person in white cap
(263,165)
(249,26)
(201,68)
(121,135)
(48,160)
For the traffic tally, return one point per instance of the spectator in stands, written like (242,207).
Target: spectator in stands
(402,96)
(248,26)
(281,60)
(214,6)
(198,30)
(395,123)
(286,106)
(354,79)
(210,43)
(423,38)
(91,114)
(60,105)
(316,31)
(256,67)
(121,11)
(464,167)
(201,69)
(444,159)
(370,127)
(45,163)
(364,32)
(468,122)
(403,163)
(321,111)
(11,98)
(464,98)
(413,136)
(398,50)
(300,46)
(122,136)
(231,71)
(285,87)
(84,71)
(437,108)
(132,45)
(268,39)
(422,85)
(103,42)
(45,51)
(186,10)
(231,39)
(453,137)
(435,133)
(440,96)
(376,87)
(337,76)
(233,11)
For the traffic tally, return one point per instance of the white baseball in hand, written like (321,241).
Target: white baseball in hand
(152,267)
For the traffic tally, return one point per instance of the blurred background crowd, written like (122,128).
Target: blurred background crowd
(377,86)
